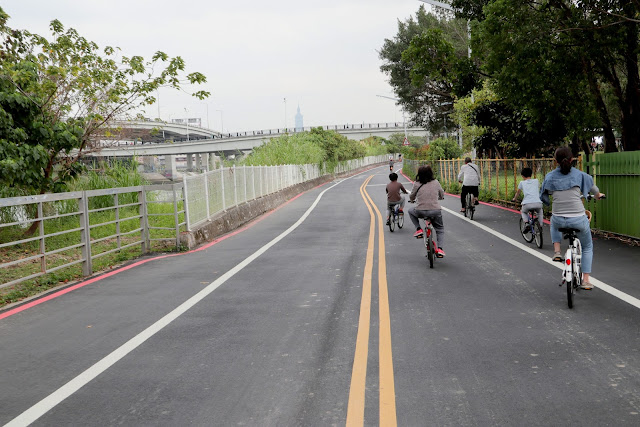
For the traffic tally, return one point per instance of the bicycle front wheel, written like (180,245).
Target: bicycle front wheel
(538,235)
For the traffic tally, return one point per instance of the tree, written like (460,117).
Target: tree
(577,61)
(58,97)
(427,66)
(443,149)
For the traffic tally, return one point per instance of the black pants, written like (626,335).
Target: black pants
(466,189)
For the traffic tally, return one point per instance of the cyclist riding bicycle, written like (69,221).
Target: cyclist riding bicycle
(531,196)
(427,191)
(470,179)
(391,164)
(394,188)
(568,185)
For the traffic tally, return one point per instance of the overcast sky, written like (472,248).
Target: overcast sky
(320,55)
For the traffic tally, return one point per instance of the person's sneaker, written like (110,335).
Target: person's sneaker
(440,253)
(586,286)
(388,221)
(418,233)
(400,211)
(476,202)
(557,257)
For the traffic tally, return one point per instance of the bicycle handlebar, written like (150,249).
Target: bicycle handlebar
(591,196)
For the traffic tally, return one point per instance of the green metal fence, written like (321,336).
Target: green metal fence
(618,176)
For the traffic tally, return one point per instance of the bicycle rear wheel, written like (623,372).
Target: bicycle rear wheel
(400,220)
(570,291)
(525,230)
(392,221)
(577,264)
(429,244)
(538,235)
(470,206)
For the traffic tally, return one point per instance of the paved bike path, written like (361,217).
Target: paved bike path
(483,338)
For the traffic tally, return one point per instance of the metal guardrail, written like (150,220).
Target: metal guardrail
(123,209)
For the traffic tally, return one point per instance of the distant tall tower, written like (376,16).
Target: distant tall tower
(299,124)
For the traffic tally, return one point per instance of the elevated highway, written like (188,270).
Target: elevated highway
(179,139)
(163,145)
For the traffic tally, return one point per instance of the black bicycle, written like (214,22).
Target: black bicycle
(531,230)
(470,206)
(397,217)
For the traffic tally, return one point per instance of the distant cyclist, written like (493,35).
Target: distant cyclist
(568,185)
(394,196)
(427,191)
(531,196)
(470,179)
(391,164)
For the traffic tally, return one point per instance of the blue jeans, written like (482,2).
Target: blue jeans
(584,235)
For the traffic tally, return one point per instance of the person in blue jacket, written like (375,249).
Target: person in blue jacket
(568,186)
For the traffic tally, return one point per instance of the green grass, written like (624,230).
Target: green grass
(119,175)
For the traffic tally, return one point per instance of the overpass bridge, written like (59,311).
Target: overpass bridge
(151,139)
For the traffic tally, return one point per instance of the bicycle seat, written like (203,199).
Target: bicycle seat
(569,230)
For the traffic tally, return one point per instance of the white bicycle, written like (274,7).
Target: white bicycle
(572,271)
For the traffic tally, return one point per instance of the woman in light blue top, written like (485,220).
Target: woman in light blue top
(568,185)
(531,199)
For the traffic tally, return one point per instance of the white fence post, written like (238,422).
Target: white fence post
(244,174)
(235,187)
(186,202)
(206,191)
(224,196)
(253,182)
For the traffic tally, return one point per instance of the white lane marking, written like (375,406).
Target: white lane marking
(598,283)
(55,398)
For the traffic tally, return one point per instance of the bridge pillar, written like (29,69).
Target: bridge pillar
(170,170)
(149,163)
(198,162)
(189,162)
(212,161)
(204,157)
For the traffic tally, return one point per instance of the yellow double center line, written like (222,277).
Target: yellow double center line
(355,408)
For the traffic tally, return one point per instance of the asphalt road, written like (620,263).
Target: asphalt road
(300,319)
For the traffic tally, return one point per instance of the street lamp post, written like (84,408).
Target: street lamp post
(404,121)
(221,122)
(450,9)
(285,114)
(187,121)
(207,105)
